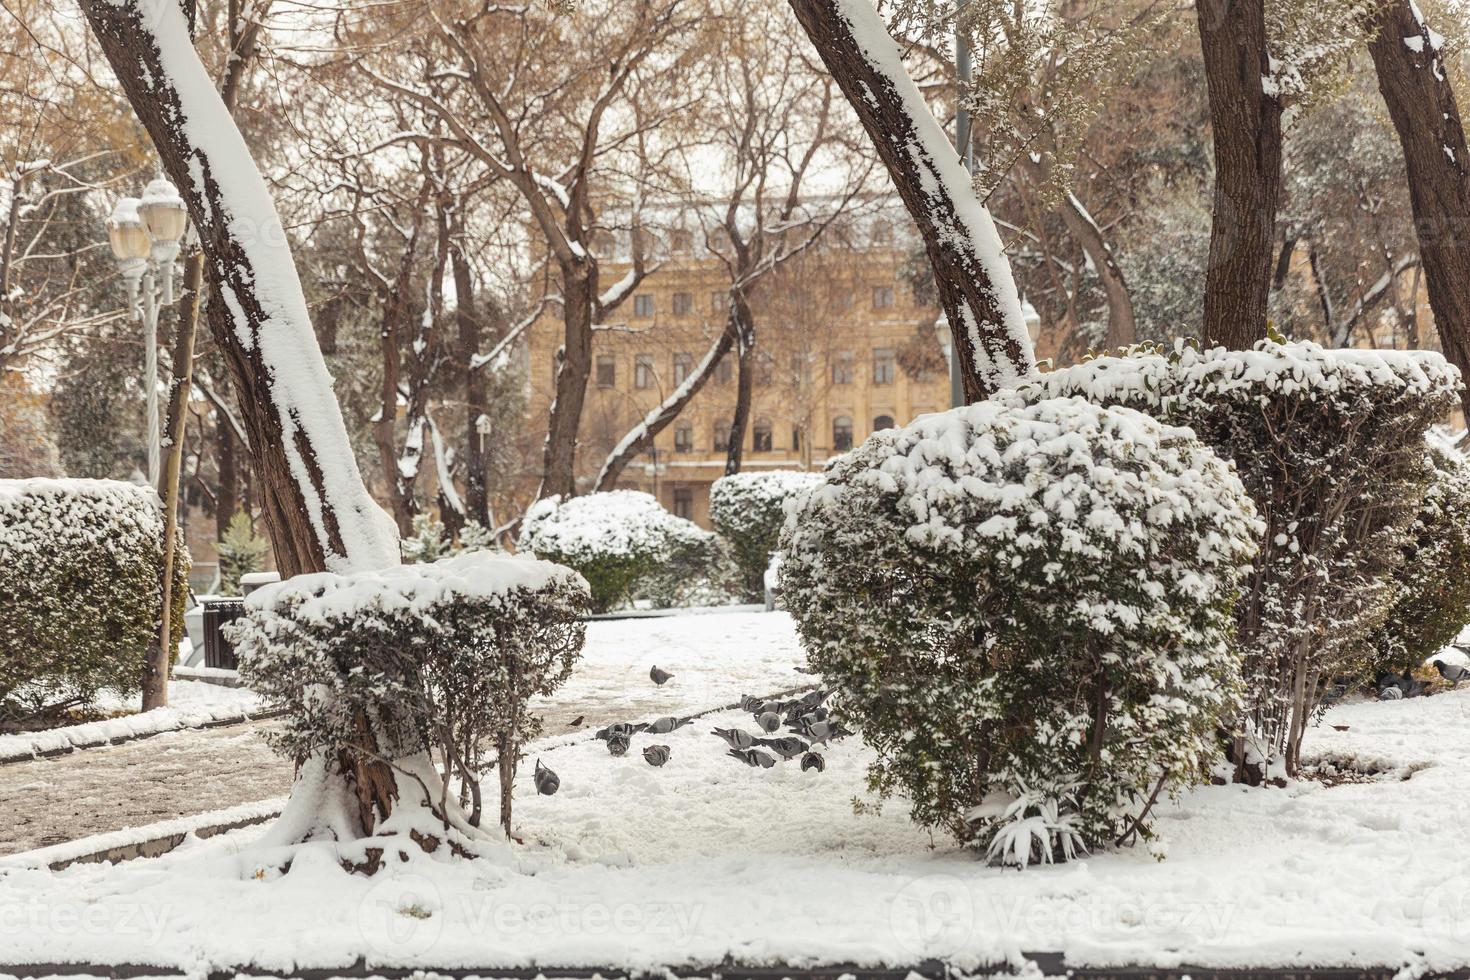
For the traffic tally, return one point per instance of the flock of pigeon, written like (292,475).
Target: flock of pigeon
(806,719)
(1396,687)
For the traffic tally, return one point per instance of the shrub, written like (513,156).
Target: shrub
(748,510)
(80,572)
(241,552)
(429,541)
(616,539)
(445,656)
(1027,611)
(1431,601)
(1329,444)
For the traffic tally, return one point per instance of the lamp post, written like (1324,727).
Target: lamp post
(145,235)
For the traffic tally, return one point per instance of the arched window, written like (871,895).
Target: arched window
(842,433)
(684,438)
(761,436)
(882,422)
(722,437)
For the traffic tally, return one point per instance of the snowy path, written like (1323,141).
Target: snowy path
(714,659)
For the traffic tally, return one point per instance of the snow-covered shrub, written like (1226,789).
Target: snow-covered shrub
(1431,601)
(475,536)
(702,572)
(444,656)
(748,509)
(241,552)
(429,541)
(1330,445)
(616,539)
(80,571)
(1026,604)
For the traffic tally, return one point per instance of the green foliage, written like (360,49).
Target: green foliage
(1027,612)
(80,572)
(241,552)
(748,510)
(429,541)
(1432,603)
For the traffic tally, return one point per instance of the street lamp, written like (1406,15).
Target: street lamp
(145,234)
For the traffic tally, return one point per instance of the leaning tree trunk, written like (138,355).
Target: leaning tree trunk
(1246,124)
(971,272)
(573,368)
(1412,78)
(320,514)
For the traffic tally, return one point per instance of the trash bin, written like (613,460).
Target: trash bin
(217,650)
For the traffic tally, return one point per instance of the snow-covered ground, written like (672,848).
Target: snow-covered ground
(632,866)
(191,704)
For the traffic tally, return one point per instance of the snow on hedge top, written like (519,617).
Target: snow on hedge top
(1148,379)
(613,522)
(1098,479)
(763,487)
(327,597)
(44,514)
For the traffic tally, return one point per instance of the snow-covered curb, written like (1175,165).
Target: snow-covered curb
(149,840)
(112,731)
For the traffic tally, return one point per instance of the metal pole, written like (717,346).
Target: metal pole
(964,71)
(150,375)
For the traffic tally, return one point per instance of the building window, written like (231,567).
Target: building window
(882,422)
(722,437)
(683,241)
(724,371)
(607,371)
(683,304)
(882,298)
(719,302)
(684,503)
(643,371)
(882,233)
(795,439)
(683,367)
(884,365)
(842,433)
(643,304)
(765,368)
(842,368)
(683,438)
(760,436)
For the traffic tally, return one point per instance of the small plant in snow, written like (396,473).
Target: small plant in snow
(1015,596)
(475,536)
(445,657)
(429,541)
(748,510)
(1036,826)
(617,539)
(241,552)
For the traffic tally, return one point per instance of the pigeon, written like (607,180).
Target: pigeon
(813,760)
(754,757)
(621,728)
(577,722)
(665,725)
(787,748)
(660,677)
(656,755)
(750,703)
(735,738)
(772,707)
(547,782)
(1391,693)
(617,744)
(821,731)
(1452,672)
(769,721)
(1413,688)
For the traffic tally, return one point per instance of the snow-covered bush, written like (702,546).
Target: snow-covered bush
(748,509)
(616,539)
(429,541)
(444,656)
(1027,609)
(1330,445)
(702,572)
(80,567)
(1431,601)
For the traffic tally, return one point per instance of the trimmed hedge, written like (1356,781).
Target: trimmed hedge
(80,570)
(1027,612)
(748,510)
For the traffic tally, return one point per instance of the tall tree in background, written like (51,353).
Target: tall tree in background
(971,273)
(1407,54)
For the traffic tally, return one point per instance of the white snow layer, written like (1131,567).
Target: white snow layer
(300,385)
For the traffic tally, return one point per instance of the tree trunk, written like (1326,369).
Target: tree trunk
(227,499)
(320,513)
(1122,327)
(476,497)
(971,272)
(573,368)
(1246,125)
(744,321)
(1422,105)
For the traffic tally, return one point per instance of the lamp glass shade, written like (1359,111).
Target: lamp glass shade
(126,232)
(163,211)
